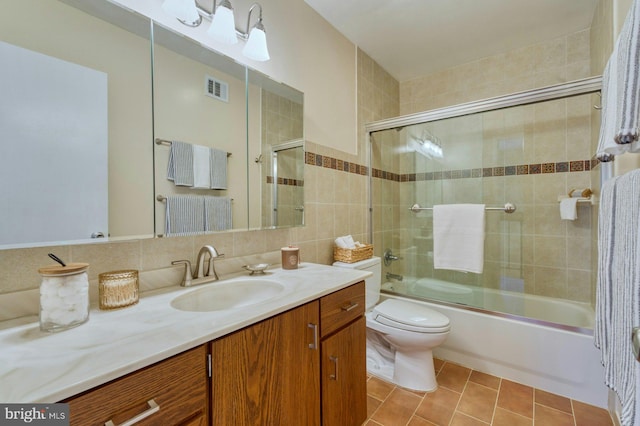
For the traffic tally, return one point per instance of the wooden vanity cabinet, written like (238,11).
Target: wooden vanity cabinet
(306,366)
(269,373)
(343,354)
(170,392)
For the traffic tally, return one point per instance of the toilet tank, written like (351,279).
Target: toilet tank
(373,283)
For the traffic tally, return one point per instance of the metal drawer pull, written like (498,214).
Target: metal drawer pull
(153,408)
(314,345)
(350,307)
(334,376)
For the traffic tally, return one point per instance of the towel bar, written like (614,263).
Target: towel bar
(166,142)
(508,208)
(162,198)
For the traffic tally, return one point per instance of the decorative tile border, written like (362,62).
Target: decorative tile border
(286,181)
(499,171)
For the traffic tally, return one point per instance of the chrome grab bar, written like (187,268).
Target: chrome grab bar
(508,208)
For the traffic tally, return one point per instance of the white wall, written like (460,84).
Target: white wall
(306,53)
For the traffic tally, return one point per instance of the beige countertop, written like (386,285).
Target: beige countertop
(48,367)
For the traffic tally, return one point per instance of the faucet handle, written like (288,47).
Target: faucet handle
(188,274)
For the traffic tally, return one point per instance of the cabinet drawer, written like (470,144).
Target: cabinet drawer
(178,386)
(340,308)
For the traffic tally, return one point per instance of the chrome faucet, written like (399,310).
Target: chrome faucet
(200,265)
(389,257)
(205,272)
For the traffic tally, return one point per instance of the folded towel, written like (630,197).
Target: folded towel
(184,215)
(217,213)
(218,169)
(568,208)
(180,166)
(618,288)
(201,167)
(346,242)
(458,237)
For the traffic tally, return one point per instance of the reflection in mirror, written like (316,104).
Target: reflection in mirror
(275,140)
(76,120)
(287,186)
(200,122)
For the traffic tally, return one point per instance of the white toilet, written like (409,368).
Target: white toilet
(400,334)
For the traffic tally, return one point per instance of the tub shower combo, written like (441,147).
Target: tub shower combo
(529,315)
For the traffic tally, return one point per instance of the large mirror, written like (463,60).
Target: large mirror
(276,143)
(79,98)
(76,123)
(200,128)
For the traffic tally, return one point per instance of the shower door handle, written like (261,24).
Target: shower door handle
(635,340)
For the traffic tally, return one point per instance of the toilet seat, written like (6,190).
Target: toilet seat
(410,316)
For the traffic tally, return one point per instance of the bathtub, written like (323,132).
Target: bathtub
(548,351)
(567,314)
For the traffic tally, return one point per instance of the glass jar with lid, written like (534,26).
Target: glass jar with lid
(64,296)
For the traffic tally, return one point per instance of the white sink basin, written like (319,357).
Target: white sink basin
(228,295)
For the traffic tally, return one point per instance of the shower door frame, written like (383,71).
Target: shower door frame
(563,90)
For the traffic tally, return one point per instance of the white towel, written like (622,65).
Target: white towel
(201,167)
(458,237)
(569,208)
(217,213)
(618,288)
(218,169)
(180,165)
(184,215)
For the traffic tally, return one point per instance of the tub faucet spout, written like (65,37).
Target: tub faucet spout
(394,276)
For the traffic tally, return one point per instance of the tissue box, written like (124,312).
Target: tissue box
(352,255)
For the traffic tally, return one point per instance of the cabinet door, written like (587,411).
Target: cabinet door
(171,392)
(344,376)
(269,373)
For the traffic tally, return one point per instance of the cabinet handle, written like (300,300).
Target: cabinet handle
(334,376)
(350,307)
(153,408)
(314,345)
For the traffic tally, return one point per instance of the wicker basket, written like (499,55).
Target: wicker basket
(352,255)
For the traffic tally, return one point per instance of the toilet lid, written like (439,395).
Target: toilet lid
(410,316)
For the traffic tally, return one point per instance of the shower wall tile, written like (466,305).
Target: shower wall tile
(550,251)
(579,285)
(551,282)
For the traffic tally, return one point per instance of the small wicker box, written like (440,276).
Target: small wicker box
(352,255)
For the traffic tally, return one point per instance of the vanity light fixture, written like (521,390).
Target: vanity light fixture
(256,47)
(222,28)
(184,11)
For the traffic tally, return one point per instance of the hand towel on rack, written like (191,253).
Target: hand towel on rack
(201,167)
(180,165)
(218,215)
(184,215)
(218,169)
(458,237)
(569,208)
(618,288)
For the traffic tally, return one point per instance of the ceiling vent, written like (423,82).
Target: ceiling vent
(216,88)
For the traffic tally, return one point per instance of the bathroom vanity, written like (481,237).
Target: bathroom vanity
(297,358)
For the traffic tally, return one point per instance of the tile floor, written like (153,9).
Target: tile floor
(470,398)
